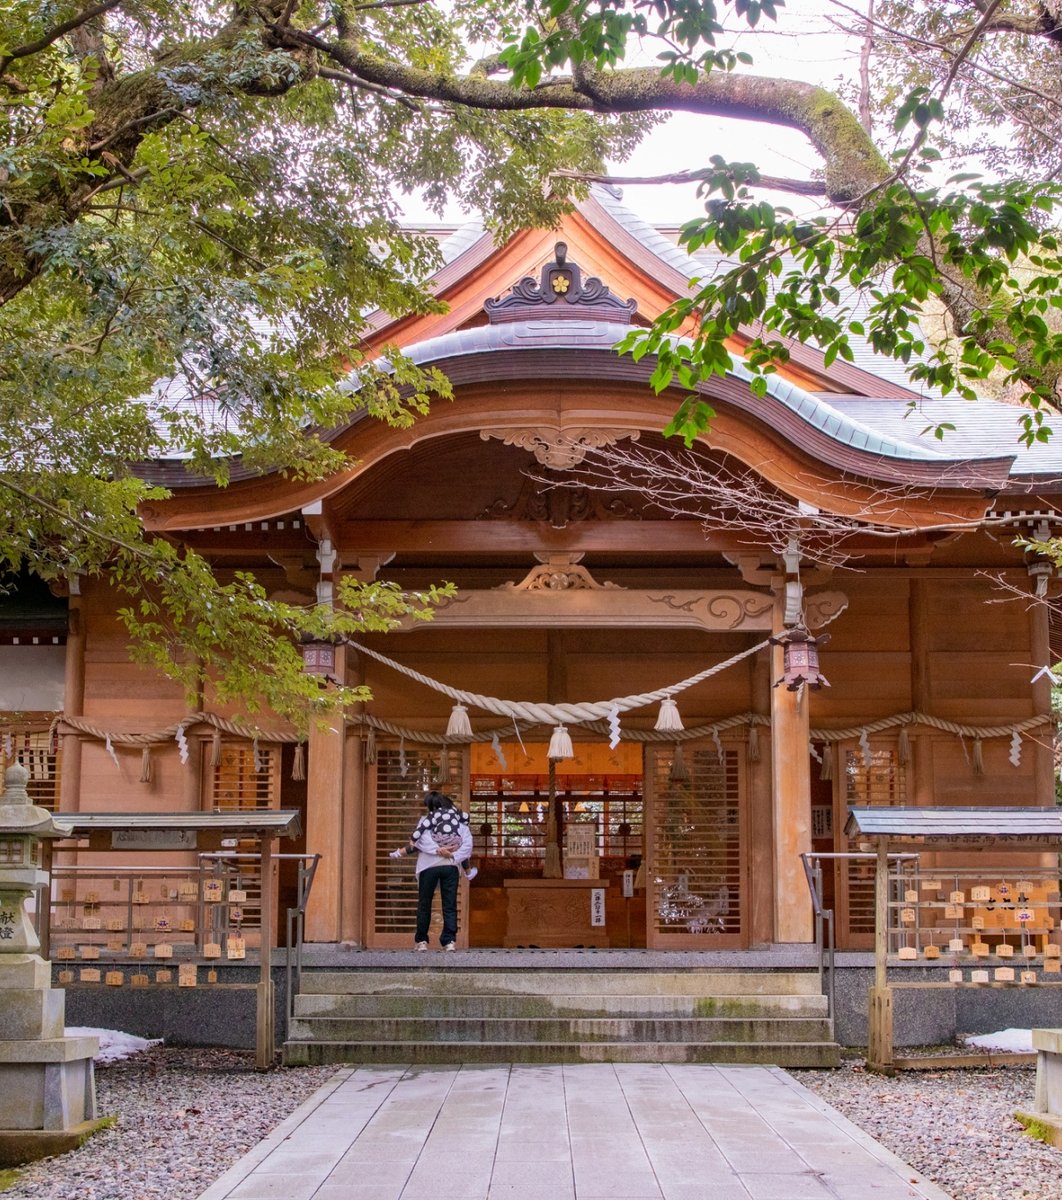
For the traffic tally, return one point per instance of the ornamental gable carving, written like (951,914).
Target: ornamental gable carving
(561,291)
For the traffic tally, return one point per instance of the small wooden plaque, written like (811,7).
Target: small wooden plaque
(1052,966)
(1029,950)
(164,976)
(236,947)
(212,890)
(66,976)
(910,896)
(237,896)
(952,912)
(956,945)
(1052,951)
(212,976)
(91,924)
(955,975)
(907,952)
(1004,974)
(114,978)
(980,894)
(90,974)
(977,923)
(978,976)
(163,950)
(63,952)
(931,885)
(187,975)
(186,925)
(931,951)
(90,951)
(956,897)
(1004,950)
(115,924)
(907,916)
(138,950)
(980,949)
(1028,977)
(115,947)
(212,950)
(139,980)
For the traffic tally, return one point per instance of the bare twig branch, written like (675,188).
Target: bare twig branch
(364,86)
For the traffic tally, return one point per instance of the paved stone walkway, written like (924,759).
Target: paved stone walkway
(608,1131)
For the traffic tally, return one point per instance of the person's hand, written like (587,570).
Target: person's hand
(395,854)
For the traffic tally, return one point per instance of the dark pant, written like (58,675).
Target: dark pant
(445,878)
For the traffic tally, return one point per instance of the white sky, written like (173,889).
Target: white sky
(800,45)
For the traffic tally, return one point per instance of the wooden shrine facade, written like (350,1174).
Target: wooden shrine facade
(566,593)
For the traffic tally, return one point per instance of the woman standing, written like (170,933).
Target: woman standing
(442,840)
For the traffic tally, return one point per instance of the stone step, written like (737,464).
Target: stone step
(475,1030)
(781,1054)
(426,1004)
(530,981)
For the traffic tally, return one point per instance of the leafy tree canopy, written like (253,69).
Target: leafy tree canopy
(206,193)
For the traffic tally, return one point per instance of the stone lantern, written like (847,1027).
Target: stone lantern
(47,1084)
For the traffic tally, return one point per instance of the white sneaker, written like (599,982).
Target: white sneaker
(449,946)
(471,873)
(420,946)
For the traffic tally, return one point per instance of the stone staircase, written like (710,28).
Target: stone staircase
(387,1015)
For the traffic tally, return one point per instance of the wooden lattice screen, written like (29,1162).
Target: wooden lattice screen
(402,778)
(877,779)
(243,777)
(696,846)
(39,753)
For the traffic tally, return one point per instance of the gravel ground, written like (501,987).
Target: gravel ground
(185,1116)
(957,1127)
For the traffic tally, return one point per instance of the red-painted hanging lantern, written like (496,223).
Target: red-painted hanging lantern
(318,658)
(800,659)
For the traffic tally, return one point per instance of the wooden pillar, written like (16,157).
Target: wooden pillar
(761,816)
(265,1023)
(325,787)
(879,1048)
(73,704)
(791,786)
(921,690)
(1041,748)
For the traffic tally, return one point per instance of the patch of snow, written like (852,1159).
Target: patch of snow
(1015,1041)
(114,1045)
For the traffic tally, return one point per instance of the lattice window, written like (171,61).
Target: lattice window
(873,780)
(39,754)
(697,878)
(243,777)
(517,815)
(402,778)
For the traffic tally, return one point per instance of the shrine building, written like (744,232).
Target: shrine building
(696,776)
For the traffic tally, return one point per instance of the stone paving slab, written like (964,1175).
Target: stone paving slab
(587,1131)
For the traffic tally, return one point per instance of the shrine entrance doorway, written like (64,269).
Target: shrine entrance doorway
(661,831)
(599,823)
